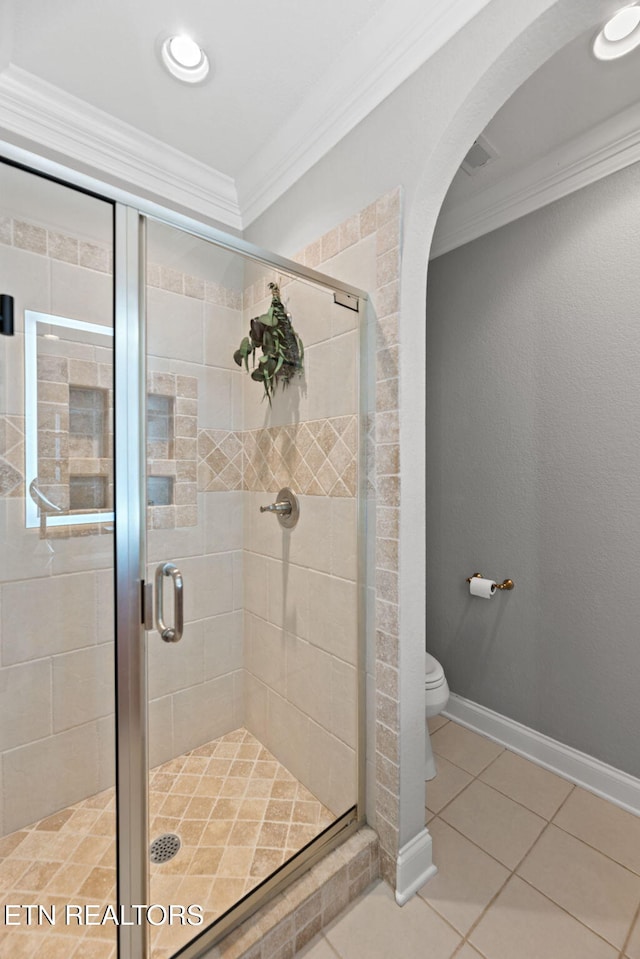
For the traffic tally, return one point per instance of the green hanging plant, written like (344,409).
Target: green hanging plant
(282,349)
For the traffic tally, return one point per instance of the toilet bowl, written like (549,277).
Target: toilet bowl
(436,697)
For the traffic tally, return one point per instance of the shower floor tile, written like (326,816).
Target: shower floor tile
(239,814)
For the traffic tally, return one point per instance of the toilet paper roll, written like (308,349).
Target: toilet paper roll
(479,586)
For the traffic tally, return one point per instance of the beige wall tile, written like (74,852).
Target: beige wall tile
(53,761)
(106,752)
(83,686)
(309,544)
(79,553)
(356,265)
(25,703)
(208,585)
(344,538)
(59,615)
(222,520)
(27,236)
(81,294)
(330,380)
(174,326)
(332,770)
(288,597)
(223,330)
(30,284)
(215,408)
(311,311)
(256,584)
(265,653)
(288,736)
(201,713)
(163,544)
(256,696)
(161,748)
(175,666)
(332,615)
(223,644)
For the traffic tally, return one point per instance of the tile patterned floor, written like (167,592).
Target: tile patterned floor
(239,814)
(530,866)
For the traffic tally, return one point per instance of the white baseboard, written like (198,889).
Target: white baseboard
(599,778)
(414,866)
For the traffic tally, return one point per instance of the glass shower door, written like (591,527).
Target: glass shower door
(253,687)
(57,805)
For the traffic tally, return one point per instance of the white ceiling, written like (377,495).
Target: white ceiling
(569,112)
(83,79)
(266,57)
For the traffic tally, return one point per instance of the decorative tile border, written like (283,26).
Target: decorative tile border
(220,460)
(99,256)
(382,219)
(12,456)
(185,284)
(180,462)
(58,246)
(317,458)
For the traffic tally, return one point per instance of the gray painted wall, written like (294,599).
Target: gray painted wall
(533,468)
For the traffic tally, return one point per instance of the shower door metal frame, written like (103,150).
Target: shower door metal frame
(130,549)
(134,688)
(132,766)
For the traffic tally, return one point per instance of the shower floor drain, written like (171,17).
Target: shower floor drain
(164,847)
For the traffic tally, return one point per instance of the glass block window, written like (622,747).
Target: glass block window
(159,427)
(87,422)
(159,490)
(87,492)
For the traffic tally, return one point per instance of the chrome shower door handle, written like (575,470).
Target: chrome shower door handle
(170,634)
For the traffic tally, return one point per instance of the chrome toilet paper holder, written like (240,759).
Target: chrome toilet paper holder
(507,584)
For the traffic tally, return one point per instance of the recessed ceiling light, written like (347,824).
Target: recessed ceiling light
(620,35)
(185,59)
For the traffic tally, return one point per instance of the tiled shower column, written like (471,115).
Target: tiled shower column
(382,221)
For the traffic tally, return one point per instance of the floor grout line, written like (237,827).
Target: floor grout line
(625,944)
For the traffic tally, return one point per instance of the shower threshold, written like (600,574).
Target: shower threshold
(238,812)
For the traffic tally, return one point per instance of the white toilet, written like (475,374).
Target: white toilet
(436,697)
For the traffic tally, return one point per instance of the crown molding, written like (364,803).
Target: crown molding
(397,40)
(606,148)
(402,36)
(45,115)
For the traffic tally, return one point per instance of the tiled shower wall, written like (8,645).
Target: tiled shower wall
(365,250)
(300,585)
(56,617)
(316,586)
(196,685)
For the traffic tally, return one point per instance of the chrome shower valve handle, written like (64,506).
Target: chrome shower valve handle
(281,507)
(286,508)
